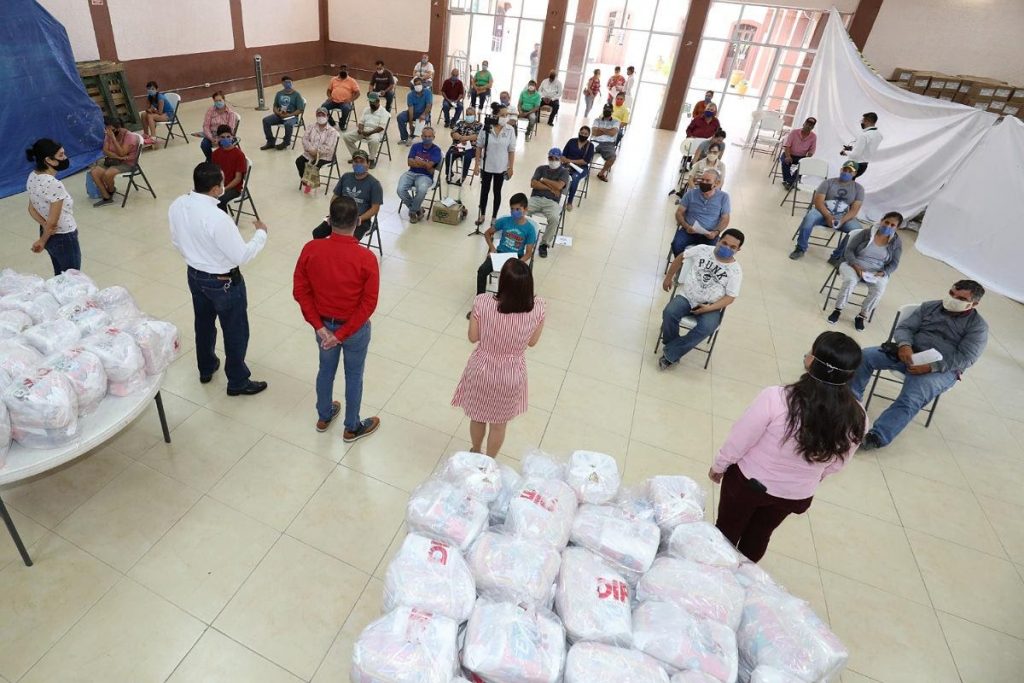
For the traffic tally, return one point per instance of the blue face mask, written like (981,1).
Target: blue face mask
(427,142)
(724,252)
(151,91)
(709,114)
(225,142)
(287,85)
(886,230)
(469,118)
(846,177)
(359,169)
(517,214)
(220,104)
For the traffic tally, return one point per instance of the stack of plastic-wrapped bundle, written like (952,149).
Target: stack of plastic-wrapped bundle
(560,574)
(65,345)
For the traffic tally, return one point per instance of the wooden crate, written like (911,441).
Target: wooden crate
(106,84)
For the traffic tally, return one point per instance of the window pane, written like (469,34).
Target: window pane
(640,14)
(722,19)
(670,16)
(528,50)
(661,54)
(493,40)
(458,41)
(535,9)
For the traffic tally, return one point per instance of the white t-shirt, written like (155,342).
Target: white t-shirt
(498,147)
(705,279)
(44,189)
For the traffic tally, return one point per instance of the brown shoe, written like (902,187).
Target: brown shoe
(322,425)
(366,427)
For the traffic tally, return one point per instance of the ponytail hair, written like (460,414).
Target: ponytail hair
(43,149)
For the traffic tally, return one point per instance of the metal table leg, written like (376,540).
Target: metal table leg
(163,417)
(14,534)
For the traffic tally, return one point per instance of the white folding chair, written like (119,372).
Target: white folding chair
(831,285)
(175,101)
(236,205)
(296,130)
(769,130)
(812,172)
(136,172)
(707,347)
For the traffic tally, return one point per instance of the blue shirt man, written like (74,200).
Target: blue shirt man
(415,183)
(518,236)
(702,214)
(418,103)
(421,151)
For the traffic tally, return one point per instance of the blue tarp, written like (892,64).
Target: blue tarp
(42,95)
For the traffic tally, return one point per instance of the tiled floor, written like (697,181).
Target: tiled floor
(251,548)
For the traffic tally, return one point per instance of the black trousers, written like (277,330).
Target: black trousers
(554,109)
(222,203)
(485,187)
(221,298)
(301,162)
(747,516)
(482,273)
(324,229)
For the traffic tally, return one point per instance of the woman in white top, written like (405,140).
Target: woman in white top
(50,204)
(713,159)
(498,159)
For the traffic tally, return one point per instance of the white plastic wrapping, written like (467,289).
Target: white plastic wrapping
(628,546)
(87,315)
(17,358)
(84,370)
(680,640)
(71,285)
(693,677)
(118,303)
(769,674)
(539,465)
(432,576)
(511,569)
(52,336)
(635,504)
(13,322)
(38,304)
(703,590)
(43,410)
(593,600)
(121,358)
(600,663)
(507,643)
(437,509)
(542,510)
(703,542)
(510,481)
(158,342)
(12,281)
(477,473)
(406,646)
(593,476)
(5,433)
(677,499)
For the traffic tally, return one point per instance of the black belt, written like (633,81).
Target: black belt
(234,273)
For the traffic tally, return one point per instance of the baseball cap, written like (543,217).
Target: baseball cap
(850,164)
(555,152)
(373,97)
(360,154)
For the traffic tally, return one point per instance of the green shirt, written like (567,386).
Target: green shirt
(289,101)
(482,78)
(528,101)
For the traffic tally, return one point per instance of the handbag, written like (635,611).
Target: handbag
(311,174)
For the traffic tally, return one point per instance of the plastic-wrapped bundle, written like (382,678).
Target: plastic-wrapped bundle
(43,410)
(118,303)
(432,576)
(628,546)
(510,481)
(84,370)
(633,503)
(703,542)
(71,285)
(5,433)
(477,473)
(121,358)
(508,643)
(12,281)
(769,674)
(85,313)
(437,509)
(781,631)
(693,677)
(680,640)
(599,663)
(593,600)
(13,321)
(593,476)
(158,341)
(514,570)
(17,358)
(750,575)
(539,465)
(406,646)
(52,336)
(703,590)
(541,510)
(38,304)
(677,499)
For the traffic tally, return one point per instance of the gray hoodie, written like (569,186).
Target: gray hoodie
(859,241)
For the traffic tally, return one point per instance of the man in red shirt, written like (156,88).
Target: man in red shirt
(336,283)
(798,144)
(232,162)
(453,92)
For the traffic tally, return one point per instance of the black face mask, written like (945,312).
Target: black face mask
(584,138)
(343,74)
(705,187)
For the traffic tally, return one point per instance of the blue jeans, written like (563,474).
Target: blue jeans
(467,160)
(575,179)
(345,107)
(788,176)
(917,392)
(414,181)
(64,250)
(403,122)
(355,363)
(814,218)
(675,346)
(275,120)
(447,107)
(207,148)
(682,239)
(214,298)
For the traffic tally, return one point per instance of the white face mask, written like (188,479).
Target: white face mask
(418,88)
(553,165)
(956,305)
(322,120)
(713,156)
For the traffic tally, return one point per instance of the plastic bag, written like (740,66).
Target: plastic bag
(693,677)
(52,336)
(12,281)
(507,643)
(38,304)
(677,499)
(514,570)
(84,370)
(5,433)
(703,590)
(628,546)
(539,465)
(13,322)
(593,600)
(437,509)
(406,646)
(599,663)
(432,576)
(158,342)
(510,481)
(542,510)
(118,303)
(71,285)
(634,504)
(750,575)
(87,315)
(593,476)
(121,358)
(17,358)
(477,473)
(703,542)
(43,410)
(680,640)
(769,674)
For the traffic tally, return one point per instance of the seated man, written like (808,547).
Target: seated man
(710,280)
(835,205)
(464,137)
(342,93)
(620,112)
(233,164)
(703,213)
(119,153)
(529,106)
(797,145)
(872,256)
(606,133)
(704,126)
(382,82)
(361,187)
(952,327)
(415,183)
(418,104)
(318,143)
(506,101)
(547,185)
(424,71)
(288,107)
(453,92)
(550,94)
(518,236)
(369,132)
(579,152)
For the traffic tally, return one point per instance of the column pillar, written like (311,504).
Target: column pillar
(551,39)
(863,19)
(686,59)
(104,31)
(438,38)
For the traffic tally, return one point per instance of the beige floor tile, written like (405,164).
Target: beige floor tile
(555,348)
(860,486)
(793,538)
(607,363)
(981,654)
(568,289)
(544,382)
(400,341)
(429,311)
(145,430)
(447,357)
(1008,521)
(686,385)
(729,397)
(401,453)
(672,427)
(977,429)
(952,573)
(218,659)
(591,401)
(522,435)
(129,635)
(272,482)
(925,453)
(425,398)
(997,474)
(30,532)
(848,676)
(298,425)
(565,435)
(292,606)
(800,578)
(393,548)
(296,356)
(338,662)
(733,361)
(625,333)
(200,563)
(261,410)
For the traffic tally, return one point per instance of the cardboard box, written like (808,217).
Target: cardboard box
(450,215)
(934,92)
(920,81)
(975,89)
(996,106)
(1010,109)
(901,75)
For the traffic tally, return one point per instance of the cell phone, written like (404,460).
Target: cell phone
(757,486)
(505,174)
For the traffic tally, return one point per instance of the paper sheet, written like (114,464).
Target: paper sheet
(869,277)
(575,168)
(925,357)
(699,229)
(449,201)
(563,241)
(418,128)
(498,259)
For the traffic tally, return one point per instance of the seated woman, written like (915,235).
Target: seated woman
(529,106)
(158,109)
(464,136)
(220,114)
(713,159)
(119,150)
(232,162)
(872,256)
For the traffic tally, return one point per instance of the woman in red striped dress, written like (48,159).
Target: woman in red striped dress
(493,390)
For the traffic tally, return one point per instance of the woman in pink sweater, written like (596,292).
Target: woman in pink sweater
(787,441)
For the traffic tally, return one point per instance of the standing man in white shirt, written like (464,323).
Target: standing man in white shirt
(866,144)
(630,82)
(550,94)
(212,247)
